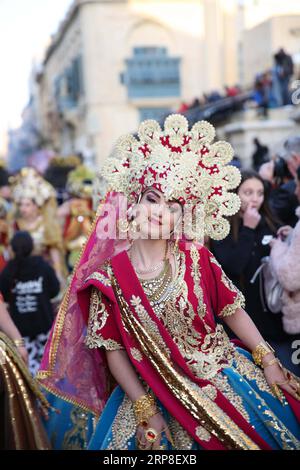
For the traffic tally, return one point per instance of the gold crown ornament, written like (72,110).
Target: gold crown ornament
(28,184)
(185,165)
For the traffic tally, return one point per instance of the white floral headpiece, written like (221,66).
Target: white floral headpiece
(30,185)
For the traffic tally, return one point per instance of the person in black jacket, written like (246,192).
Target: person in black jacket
(280,173)
(28,283)
(240,255)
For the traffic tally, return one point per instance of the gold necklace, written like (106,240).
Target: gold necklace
(155,288)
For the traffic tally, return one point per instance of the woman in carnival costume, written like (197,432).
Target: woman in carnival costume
(77,211)
(36,213)
(136,358)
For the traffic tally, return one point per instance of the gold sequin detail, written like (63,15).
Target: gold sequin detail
(149,324)
(98,316)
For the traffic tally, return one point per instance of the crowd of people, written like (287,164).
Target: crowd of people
(147,335)
(271,88)
(40,242)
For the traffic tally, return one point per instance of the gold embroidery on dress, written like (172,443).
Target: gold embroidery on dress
(76,437)
(248,369)
(287,439)
(210,391)
(182,440)
(196,275)
(239,301)
(136,354)
(177,316)
(215,352)
(146,320)
(203,434)
(204,410)
(99,277)
(98,316)
(124,426)
(222,384)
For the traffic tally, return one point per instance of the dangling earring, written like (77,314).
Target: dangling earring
(123,225)
(177,234)
(133,226)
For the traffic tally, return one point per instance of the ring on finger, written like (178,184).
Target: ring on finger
(151,435)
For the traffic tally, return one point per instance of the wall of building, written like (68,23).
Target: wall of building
(262,41)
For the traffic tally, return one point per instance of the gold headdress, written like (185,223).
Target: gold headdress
(30,185)
(184,165)
(80,181)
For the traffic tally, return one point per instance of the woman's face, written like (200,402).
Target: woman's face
(156,218)
(251,193)
(28,209)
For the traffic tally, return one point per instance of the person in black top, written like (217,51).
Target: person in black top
(280,173)
(260,155)
(28,283)
(240,255)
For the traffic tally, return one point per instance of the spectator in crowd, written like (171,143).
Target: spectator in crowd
(232,91)
(280,173)
(262,93)
(5,190)
(28,283)
(285,255)
(284,70)
(236,161)
(240,255)
(260,155)
(183,108)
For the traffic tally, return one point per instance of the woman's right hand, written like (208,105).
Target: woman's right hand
(157,423)
(251,217)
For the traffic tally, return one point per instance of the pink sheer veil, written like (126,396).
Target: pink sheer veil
(69,369)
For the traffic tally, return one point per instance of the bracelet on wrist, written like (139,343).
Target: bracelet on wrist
(19,343)
(261,350)
(144,408)
(270,363)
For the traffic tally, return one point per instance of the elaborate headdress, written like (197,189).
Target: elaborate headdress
(80,181)
(184,165)
(30,185)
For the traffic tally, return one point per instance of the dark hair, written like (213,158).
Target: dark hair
(298,173)
(22,245)
(265,210)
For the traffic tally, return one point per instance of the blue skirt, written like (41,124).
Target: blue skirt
(243,384)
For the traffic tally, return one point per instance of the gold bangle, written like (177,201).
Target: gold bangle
(19,343)
(261,350)
(271,363)
(144,408)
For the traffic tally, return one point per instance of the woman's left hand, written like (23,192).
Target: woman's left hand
(278,379)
